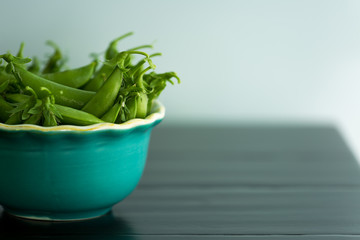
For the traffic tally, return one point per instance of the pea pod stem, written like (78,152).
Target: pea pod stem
(111,50)
(21,50)
(53,64)
(141,47)
(135,69)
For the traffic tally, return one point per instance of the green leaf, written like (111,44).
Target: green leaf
(19,60)
(10,67)
(4,86)
(37,108)
(55,111)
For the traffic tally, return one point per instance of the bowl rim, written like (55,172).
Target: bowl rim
(157,114)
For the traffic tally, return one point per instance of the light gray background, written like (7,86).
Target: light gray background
(239,61)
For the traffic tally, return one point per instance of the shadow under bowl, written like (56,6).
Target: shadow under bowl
(71,173)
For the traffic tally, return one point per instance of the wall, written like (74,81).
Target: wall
(240,61)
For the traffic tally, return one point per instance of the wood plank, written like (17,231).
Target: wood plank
(256,156)
(222,237)
(215,212)
(232,211)
(189,237)
(278,168)
(248,138)
(197,237)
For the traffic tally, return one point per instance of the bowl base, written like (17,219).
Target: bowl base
(58,216)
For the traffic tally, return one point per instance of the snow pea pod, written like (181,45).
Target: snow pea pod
(74,78)
(16,97)
(4,76)
(64,95)
(76,117)
(142,104)
(113,113)
(131,105)
(105,97)
(104,72)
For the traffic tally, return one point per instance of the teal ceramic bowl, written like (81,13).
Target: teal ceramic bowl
(70,172)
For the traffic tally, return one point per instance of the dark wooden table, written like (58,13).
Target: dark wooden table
(217,183)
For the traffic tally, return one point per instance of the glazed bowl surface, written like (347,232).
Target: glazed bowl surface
(72,172)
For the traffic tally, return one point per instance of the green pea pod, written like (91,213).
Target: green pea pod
(142,104)
(121,116)
(64,95)
(5,107)
(106,96)
(74,78)
(104,72)
(137,106)
(111,115)
(76,117)
(131,105)
(16,97)
(4,77)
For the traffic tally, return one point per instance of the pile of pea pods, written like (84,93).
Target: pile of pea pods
(121,87)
